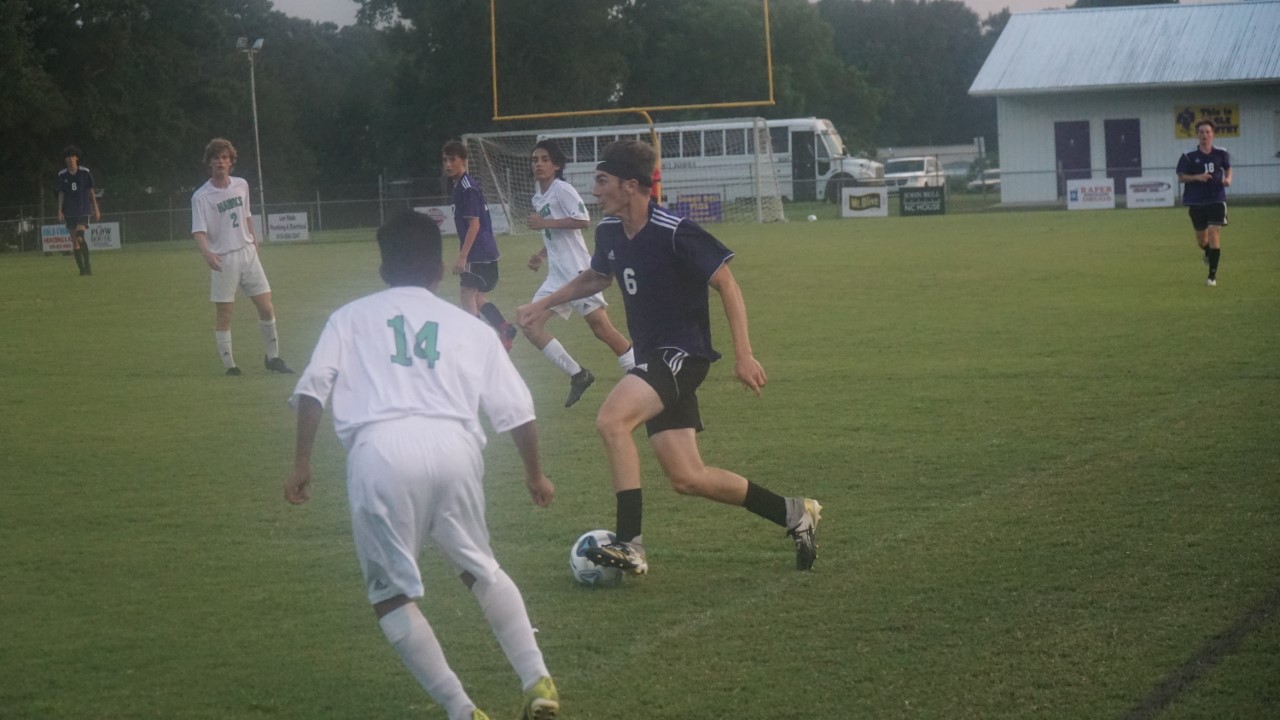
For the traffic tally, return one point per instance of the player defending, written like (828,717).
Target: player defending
(74,186)
(561,216)
(477,262)
(408,374)
(223,229)
(663,265)
(1206,174)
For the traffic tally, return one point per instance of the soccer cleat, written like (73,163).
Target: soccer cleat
(578,384)
(477,715)
(507,332)
(542,702)
(276,365)
(233,371)
(804,530)
(626,556)
(1211,282)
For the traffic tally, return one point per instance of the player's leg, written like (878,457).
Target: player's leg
(75,244)
(484,276)
(605,332)
(222,312)
(254,283)
(1200,223)
(83,244)
(580,378)
(392,492)
(1217,219)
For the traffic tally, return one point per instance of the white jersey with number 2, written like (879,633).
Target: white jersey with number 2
(403,352)
(223,214)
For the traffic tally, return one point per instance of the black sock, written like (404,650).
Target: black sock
(1214,254)
(766,503)
(75,251)
(492,314)
(84,253)
(630,509)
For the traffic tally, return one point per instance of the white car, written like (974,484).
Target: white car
(989,181)
(913,172)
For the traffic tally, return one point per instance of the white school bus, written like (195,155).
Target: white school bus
(807,159)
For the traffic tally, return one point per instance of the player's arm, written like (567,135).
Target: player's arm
(62,196)
(540,488)
(297,487)
(745,366)
(97,213)
(537,222)
(585,284)
(473,229)
(1226,177)
(202,244)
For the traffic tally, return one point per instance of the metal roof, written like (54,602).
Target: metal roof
(1135,46)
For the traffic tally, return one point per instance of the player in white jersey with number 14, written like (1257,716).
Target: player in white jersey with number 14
(561,216)
(222,226)
(408,374)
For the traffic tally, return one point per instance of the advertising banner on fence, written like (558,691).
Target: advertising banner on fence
(443,215)
(1147,192)
(922,201)
(699,207)
(288,227)
(1091,194)
(104,236)
(864,202)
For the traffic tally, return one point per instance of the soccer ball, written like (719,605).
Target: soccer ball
(813,218)
(587,572)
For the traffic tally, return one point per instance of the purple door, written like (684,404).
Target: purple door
(1124,151)
(1071,149)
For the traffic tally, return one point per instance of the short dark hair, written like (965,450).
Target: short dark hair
(629,160)
(410,245)
(216,147)
(555,153)
(69,151)
(1209,123)
(455,148)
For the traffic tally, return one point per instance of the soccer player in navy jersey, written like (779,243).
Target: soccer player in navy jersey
(1206,174)
(74,186)
(477,262)
(664,265)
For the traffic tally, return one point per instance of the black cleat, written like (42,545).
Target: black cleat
(276,365)
(233,371)
(578,384)
(628,557)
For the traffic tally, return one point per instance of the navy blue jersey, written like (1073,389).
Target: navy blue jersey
(663,273)
(75,188)
(1217,161)
(468,202)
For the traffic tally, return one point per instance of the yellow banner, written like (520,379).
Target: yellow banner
(1225,119)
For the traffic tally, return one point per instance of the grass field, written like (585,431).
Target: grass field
(1047,453)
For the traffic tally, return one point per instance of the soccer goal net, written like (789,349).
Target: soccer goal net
(712,171)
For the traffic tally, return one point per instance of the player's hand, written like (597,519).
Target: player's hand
(535,261)
(541,490)
(534,222)
(297,487)
(750,373)
(212,259)
(61,218)
(1226,182)
(459,265)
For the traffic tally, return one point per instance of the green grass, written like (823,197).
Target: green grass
(1046,451)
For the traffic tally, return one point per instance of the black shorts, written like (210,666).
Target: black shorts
(1202,216)
(77,221)
(482,276)
(675,376)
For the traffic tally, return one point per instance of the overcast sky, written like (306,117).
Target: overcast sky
(343,12)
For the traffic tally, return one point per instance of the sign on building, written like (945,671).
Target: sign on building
(1146,192)
(922,201)
(288,227)
(857,201)
(103,236)
(1225,119)
(1091,194)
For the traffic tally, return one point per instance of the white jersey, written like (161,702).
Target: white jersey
(566,250)
(223,214)
(402,353)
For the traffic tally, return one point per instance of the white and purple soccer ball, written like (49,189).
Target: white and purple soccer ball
(587,572)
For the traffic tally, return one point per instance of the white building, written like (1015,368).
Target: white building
(1116,92)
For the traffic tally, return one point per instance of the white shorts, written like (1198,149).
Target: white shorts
(409,480)
(240,269)
(583,306)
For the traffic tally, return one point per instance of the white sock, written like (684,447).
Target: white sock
(555,352)
(628,359)
(270,343)
(223,339)
(504,609)
(411,635)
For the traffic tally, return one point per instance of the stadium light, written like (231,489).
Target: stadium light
(243,45)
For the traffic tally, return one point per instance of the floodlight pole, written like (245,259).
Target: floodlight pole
(251,50)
